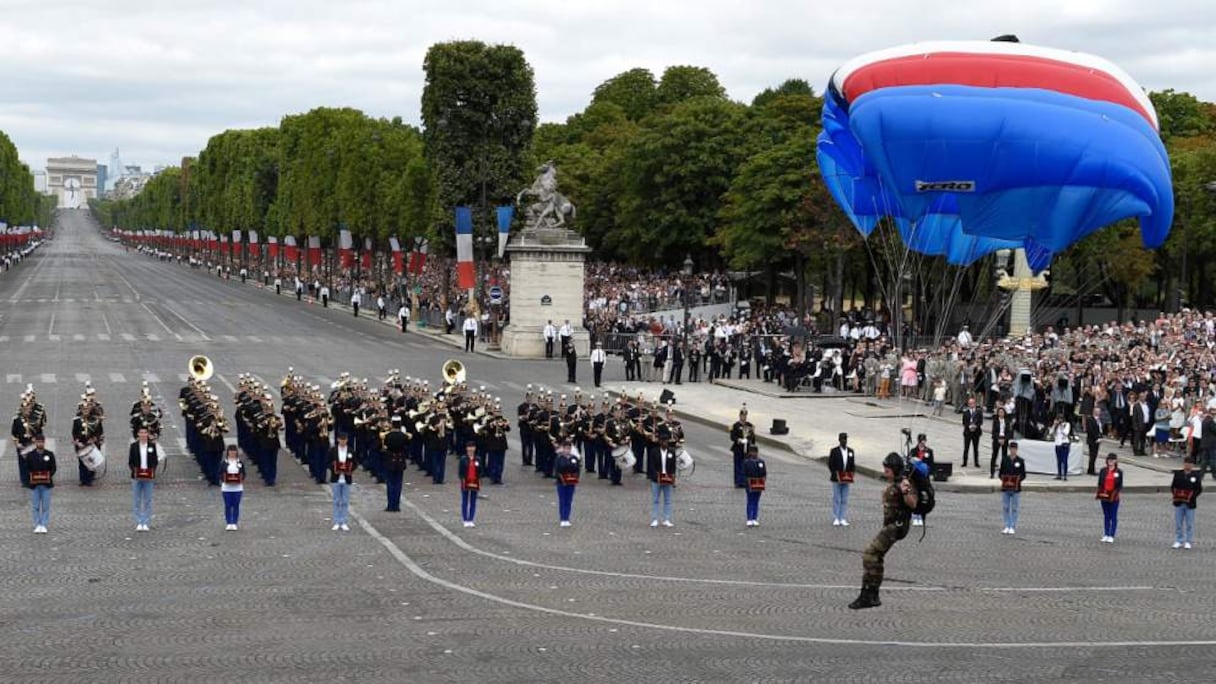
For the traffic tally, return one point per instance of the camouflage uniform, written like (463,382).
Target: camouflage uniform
(895,519)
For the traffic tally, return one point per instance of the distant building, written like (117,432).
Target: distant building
(40,181)
(72,179)
(102,172)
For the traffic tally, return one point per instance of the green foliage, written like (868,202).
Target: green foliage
(684,83)
(20,204)
(793,86)
(1181,114)
(479,113)
(635,92)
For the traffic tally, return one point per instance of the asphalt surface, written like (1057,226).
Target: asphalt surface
(413,596)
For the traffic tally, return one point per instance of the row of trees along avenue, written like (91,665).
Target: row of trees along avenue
(659,167)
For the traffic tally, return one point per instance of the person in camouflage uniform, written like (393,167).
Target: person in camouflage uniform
(898,500)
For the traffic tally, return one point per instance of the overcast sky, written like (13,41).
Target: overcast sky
(158,78)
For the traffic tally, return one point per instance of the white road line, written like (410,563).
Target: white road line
(103,337)
(128,337)
(151,378)
(50,329)
(47,378)
(78,337)
(128,284)
(183,377)
(30,338)
(83,378)
(409,563)
(231,338)
(12,377)
(513,385)
(58,284)
(152,337)
(54,338)
(255,339)
(107,322)
(3,338)
(226,383)
(117,378)
(155,317)
(187,322)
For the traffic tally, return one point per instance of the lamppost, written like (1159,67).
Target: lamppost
(687,271)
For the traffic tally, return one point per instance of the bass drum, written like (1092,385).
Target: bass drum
(624,457)
(91,457)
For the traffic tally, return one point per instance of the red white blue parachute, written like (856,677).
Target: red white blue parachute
(974,146)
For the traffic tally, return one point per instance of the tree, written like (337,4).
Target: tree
(1182,114)
(793,86)
(673,175)
(479,113)
(683,83)
(634,91)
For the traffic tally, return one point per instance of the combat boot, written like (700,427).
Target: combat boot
(867,599)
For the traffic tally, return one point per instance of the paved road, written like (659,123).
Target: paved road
(416,597)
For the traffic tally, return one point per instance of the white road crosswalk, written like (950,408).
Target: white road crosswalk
(192,338)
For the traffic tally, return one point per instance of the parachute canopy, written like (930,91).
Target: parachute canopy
(974,146)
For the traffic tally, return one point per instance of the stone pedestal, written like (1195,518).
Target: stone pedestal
(546,285)
(1019,303)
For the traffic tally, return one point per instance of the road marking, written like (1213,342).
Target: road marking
(117,377)
(83,378)
(78,337)
(128,337)
(226,383)
(107,322)
(255,339)
(187,322)
(12,377)
(152,337)
(151,378)
(50,329)
(183,377)
(231,338)
(409,563)
(47,378)
(29,338)
(155,317)
(54,338)
(3,338)
(103,337)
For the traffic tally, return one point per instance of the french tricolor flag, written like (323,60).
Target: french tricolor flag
(466,276)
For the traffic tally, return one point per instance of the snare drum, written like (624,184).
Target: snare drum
(91,458)
(624,457)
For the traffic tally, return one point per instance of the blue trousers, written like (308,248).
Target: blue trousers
(840,501)
(40,498)
(565,500)
(753,505)
(1010,502)
(341,502)
(141,501)
(468,504)
(232,507)
(1062,460)
(495,462)
(658,491)
(1110,517)
(1184,524)
(436,462)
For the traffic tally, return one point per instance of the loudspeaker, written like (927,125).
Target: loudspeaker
(667,397)
(942,471)
(779,427)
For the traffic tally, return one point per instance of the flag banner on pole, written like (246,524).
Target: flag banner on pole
(253,237)
(367,254)
(505,214)
(418,256)
(394,246)
(314,250)
(346,254)
(236,236)
(291,251)
(272,247)
(223,244)
(466,276)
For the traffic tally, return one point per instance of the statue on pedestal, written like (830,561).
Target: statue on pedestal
(551,207)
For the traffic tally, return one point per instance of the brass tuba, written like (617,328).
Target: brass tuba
(453,372)
(200,367)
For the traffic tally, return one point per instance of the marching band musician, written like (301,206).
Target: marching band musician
(396,442)
(87,431)
(469,470)
(525,408)
(616,433)
(597,447)
(40,466)
(145,413)
(843,467)
(567,468)
(641,438)
(495,436)
(267,439)
(232,487)
(742,436)
(341,470)
(436,436)
(757,477)
(24,428)
(661,471)
(143,457)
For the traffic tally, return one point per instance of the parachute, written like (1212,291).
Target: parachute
(969,147)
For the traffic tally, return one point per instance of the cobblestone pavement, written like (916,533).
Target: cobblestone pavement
(413,596)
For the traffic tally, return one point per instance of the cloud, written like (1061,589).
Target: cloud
(158,79)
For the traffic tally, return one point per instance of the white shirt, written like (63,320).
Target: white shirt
(403,313)
(356,298)
(964,339)
(143,456)
(550,332)
(1061,433)
(324,290)
(380,302)
(470,324)
(342,456)
(598,355)
(234,468)
(566,330)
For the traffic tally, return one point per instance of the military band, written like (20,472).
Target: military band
(88,433)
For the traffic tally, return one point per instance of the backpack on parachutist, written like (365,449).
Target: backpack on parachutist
(926,497)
